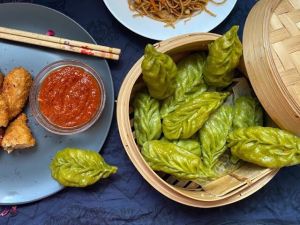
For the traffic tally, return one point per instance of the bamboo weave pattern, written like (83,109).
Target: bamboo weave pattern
(285,42)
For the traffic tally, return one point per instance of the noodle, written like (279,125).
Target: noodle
(170,11)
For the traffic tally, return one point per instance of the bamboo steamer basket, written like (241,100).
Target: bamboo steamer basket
(272,59)
(226,190)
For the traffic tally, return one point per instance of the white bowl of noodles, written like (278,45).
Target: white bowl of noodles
(157,30)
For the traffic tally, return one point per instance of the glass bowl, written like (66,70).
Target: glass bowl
(35,90)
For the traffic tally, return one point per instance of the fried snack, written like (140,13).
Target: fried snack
(17,135)
(1,80)
(4,114)
(15,90)
(2,131)
(3,106)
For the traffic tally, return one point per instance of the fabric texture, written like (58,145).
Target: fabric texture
(126,198)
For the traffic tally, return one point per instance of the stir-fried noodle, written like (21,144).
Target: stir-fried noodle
(170,11)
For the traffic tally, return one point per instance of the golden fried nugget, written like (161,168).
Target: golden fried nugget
(1,80)
(2,131)
(3,106)
(18,135)
(16,86)
(4,114)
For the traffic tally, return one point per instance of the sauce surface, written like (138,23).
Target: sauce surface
(69,96)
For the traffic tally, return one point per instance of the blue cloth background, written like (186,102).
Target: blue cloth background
(126,198)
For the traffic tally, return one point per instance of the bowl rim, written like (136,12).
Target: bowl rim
(127,138)
(34,92)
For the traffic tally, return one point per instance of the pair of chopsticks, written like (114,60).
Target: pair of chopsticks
(59,43)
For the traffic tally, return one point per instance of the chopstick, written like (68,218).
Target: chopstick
(59,43)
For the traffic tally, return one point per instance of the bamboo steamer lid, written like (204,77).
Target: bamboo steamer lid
(272,59)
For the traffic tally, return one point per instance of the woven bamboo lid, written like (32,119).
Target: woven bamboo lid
(272,58)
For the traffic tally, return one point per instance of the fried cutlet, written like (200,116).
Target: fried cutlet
(17,135)
(1,80)
(3,106)
(4,114)
(2,131)
(15,90)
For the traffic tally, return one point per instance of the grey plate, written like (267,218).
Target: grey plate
(24,174)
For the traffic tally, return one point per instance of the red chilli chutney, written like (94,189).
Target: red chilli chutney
(69,96)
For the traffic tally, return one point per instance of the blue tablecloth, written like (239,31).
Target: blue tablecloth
(126,198)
